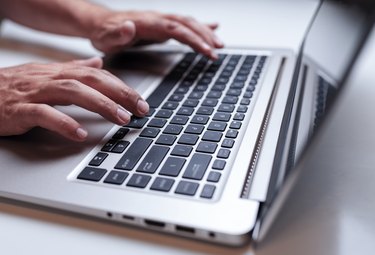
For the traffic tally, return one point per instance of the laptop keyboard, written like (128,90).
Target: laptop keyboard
(183,146)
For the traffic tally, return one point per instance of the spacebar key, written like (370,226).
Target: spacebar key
(133,154)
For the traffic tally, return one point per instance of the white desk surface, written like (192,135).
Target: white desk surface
(263,23)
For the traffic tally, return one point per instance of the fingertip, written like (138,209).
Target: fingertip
(127,31)
(95,62)
(81,134)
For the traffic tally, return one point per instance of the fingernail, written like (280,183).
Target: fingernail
(81,133)
(142,106)
(123,115)
(206,47)
(218,42)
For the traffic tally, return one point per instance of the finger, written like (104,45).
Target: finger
(47,117)
(213,26)
(67,92)
(116,37)
(108,85)
(95,62)
(203,31)
(172,29)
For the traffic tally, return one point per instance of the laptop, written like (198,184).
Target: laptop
(212,151)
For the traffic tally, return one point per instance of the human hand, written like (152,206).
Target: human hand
(28,91)
(115,30)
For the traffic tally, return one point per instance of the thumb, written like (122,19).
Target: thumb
(95,62)
(116,37)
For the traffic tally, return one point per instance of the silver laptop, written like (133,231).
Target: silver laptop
(210,153)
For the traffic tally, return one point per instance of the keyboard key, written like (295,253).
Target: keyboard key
(164,114)
(109,145)
(231,133)
(158,123)
(120,146)
(172,129)
(242,109)
(230,100)
(217,126)
(133,154)
(162,184)
(210,102)
(219,164)
(227,143)
(138,181)
(235,125)
(213,177)
(207,147)
(176,98)
(245,101)
(234,92)
(98,159)
(226,108)
(170,106)
(248,94)
(194,129)
(187,188)
(121,133)
(166,140)
(181,150)
(116,177)
(151,111)
(182,90)
(222,116)
(153,159)
(191,103)
(204,110)
(212,136)
(214,94)
(179,120)
(136,122)
(196,95)
(208,191)
(197,166)
(150,132)
(92,174)
(172,166)
(188,139)
(186,111)
(239,116)
(199,119)
(223,153)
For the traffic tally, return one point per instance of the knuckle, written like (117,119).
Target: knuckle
(172,26)
(107,105)
(70,85)
(64,123)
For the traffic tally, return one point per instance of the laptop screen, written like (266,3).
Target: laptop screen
(333,41)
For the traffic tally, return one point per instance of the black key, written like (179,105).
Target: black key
(231,133)
(207,147)
(222,80)
(218,87)
(187,188)
(194,129)
(197,166)
(138,181)
(120,146)
(237,85)
(235,124)
(204,110)
(98,159)
(214,94)
(223,153)
(248,94)
(162,184)
(239,116)
(245,101)
(151,111)
(158,123)
(150,132)
(164,114)
(176,98)
(199,119)
(172,166)
(196,95)
(188,139)
(227,143)
(226,74)
(186,111)
(92,174)
(213,177)
(204,81)
(242,109)
(226,108)
(172,129)
(208,191)
(181,150)
(170,105)
(240,78)
(153,159)
(222,116)
(200,87)
(219,164)
(166,140)
(217,126)
(230,100)
(191,103)
(121,133)
(212,136)
(116,177)
(182,90)
(210,102)
(133,154)
(233,92)
(179,120)
(136,122)
(109,145)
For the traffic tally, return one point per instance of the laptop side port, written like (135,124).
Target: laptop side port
(154,223)
(184,229)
